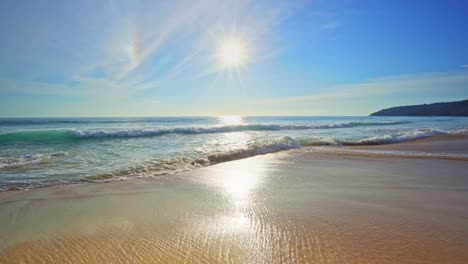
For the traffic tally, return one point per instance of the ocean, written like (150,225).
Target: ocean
(36,152)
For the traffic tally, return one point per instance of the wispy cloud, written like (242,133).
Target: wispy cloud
(402,85)
(323,13)
(331,25)
(100,88)
(134,46)
(185,33)
(30,87)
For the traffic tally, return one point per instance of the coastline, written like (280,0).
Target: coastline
(292,206)
(439,143)
(33,155)
(443,147)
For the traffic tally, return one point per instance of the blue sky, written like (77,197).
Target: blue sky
(150,58)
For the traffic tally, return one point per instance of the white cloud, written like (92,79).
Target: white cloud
(183,35)
(136,45)
(402,84)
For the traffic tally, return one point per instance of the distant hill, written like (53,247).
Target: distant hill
(459,108)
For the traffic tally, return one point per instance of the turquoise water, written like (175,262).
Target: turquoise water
(53,151)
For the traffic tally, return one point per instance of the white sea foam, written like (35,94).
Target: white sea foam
(219,129)
(389,153)
(380,139)
(180,164)
(193,143)
(398,137)
(8,162)
(459,132)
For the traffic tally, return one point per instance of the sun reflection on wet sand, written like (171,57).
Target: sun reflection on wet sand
(237,185)
(241,180)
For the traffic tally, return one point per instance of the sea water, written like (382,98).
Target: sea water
(38,152)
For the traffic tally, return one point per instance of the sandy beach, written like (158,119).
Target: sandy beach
(233,131)
(297,206)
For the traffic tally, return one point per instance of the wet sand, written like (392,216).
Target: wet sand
(299,206)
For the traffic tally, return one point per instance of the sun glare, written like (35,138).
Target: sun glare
(230,120)
(232,53)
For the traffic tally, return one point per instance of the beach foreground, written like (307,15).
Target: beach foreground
(298,206)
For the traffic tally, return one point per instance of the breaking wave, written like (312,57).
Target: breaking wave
(75,134)
(381,139)
(191,161)
(400,137)
(181,164)
(219,129)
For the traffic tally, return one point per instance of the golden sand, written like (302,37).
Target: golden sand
(281,242)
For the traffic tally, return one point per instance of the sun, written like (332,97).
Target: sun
(232,53)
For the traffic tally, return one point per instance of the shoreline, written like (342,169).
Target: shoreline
(449,147)
(291,206)
(439,143)
(442,147)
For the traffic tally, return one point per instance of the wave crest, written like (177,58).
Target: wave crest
(399,137)
(180,164)
(193,161)
(76,134)
(219,129)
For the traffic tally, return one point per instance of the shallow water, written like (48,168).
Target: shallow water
(57,151)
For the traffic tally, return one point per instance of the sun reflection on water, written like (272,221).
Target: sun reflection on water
(230,120)
(233,141)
